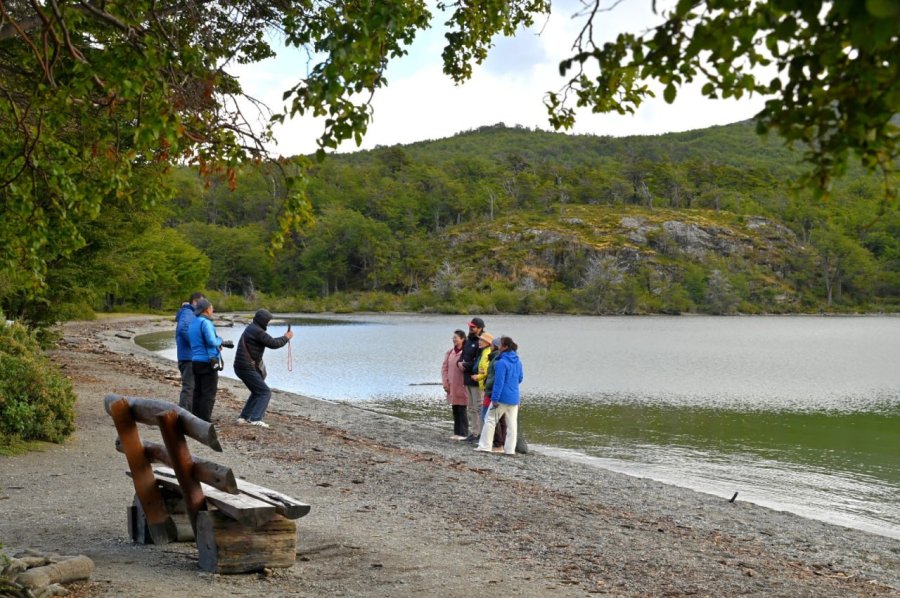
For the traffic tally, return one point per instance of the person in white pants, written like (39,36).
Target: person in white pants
(504,398)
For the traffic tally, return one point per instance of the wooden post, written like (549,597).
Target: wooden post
(160,524)
(226,546)
(147,410)
(217,476)
(137,520)
(182,463)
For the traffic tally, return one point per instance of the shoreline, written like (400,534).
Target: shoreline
(398,509)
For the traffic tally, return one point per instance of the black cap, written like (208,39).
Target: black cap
(477,323)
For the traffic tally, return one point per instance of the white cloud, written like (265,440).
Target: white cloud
(421,102)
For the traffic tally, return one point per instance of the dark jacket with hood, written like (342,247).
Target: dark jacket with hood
(471,352)
(253,343)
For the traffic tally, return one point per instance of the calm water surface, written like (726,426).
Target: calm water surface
(796,413)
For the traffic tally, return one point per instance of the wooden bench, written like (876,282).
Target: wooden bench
(238,526)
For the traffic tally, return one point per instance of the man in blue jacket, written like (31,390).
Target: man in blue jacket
(183,320)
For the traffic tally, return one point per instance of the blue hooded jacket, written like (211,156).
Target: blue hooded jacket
(507,377)
(183,320)
(204,341)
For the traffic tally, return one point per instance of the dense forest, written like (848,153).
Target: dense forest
(503,219)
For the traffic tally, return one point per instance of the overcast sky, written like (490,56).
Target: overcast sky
(421,103)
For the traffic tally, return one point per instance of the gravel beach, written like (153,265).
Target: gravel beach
(398,509)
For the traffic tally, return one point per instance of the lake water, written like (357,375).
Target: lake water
(796,413)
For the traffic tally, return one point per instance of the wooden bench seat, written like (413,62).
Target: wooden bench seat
(252,505)
(238,526)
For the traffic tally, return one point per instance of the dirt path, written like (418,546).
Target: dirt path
(399,510)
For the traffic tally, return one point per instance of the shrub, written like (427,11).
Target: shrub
(223,302)
(36,401)
(504,300)
(376,301)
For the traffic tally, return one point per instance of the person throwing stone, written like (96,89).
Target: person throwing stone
(249,367)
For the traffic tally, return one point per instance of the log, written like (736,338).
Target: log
(217,476)
(161,526)
(137,520)
(147,410)
(284,504)
(247,510)
(182,463)
(79,567)
(226,546)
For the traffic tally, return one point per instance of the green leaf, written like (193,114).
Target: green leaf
(669,93)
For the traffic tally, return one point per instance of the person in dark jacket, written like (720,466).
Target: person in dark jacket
(468,362)
(206,359)
(249,367)
(183,320)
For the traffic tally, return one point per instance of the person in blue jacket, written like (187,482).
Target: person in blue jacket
(183,320)
(206,359)
(504,398)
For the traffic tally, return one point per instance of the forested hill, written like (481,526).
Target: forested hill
(516,220)
(736,145)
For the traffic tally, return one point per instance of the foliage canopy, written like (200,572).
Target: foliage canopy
(98,98)
(829,66)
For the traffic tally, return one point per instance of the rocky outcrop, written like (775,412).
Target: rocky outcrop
(565,250)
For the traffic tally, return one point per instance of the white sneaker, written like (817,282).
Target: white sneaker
(241,420)
(260,424)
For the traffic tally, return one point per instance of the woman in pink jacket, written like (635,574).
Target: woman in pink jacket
(452,379)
